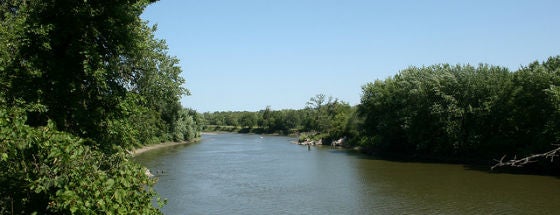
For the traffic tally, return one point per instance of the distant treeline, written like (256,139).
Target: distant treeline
(323,117)
(445,112)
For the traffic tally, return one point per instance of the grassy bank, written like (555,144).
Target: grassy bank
(247,130)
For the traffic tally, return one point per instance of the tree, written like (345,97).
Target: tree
(79,82)
(327,117)
(464,113)
(83,61)
(188,125)
(536,114)
(318,107)
(266,118)
(248,120)
(438,110)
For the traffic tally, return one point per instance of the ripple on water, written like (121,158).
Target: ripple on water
(244,174)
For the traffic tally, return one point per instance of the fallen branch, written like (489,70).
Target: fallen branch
(526,160)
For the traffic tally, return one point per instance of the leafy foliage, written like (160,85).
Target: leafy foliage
(188,125)
(463,112)
(48,171)
(80,82)
(93,65)
(330,118)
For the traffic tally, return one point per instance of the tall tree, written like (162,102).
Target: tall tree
(89,64)
(79,80)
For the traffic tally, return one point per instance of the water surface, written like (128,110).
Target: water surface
(252,174)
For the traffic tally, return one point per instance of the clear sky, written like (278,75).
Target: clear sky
(248,54)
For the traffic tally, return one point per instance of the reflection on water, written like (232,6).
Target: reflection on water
(247,174)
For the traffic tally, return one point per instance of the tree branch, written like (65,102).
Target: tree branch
(526,160)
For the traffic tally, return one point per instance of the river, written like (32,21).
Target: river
(252,174)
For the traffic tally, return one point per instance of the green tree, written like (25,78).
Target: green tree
(188,125)
(328,117)
(536,106)
(439,110)
(463,113)
(317,112)
(266,118)
(248,119)
(82,60)
(80,81)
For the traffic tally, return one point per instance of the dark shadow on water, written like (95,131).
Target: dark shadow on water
(531,169)
(541,168)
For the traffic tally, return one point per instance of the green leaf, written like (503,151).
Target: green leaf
(110,183)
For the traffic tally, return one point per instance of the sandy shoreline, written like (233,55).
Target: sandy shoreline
(160,145)
(167,144)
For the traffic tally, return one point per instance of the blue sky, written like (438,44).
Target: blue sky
(249,54)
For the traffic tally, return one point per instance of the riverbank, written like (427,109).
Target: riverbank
(146,148)
(246,130)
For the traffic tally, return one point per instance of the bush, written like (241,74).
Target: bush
(48,171)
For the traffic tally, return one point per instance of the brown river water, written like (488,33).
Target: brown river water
(252,174)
